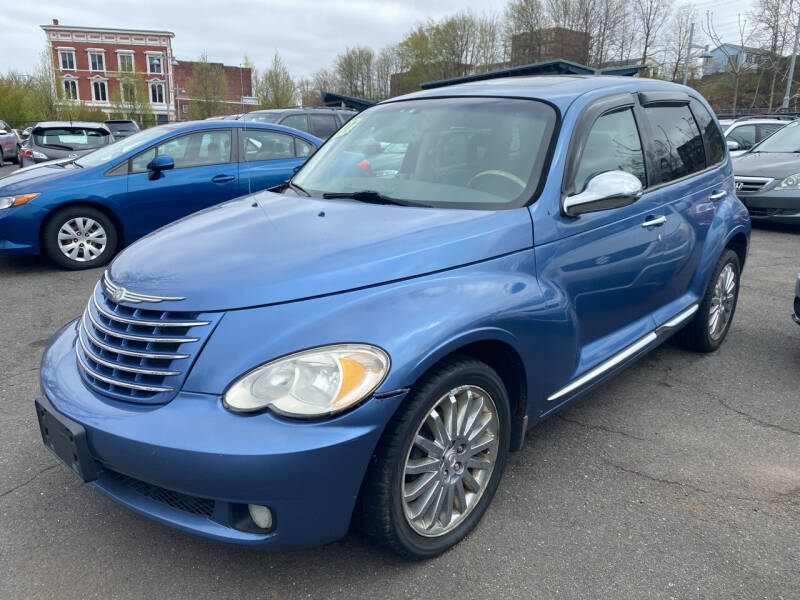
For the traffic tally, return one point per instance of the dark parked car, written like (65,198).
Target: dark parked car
(321,122)
(371,343)
(122,128)
(53,140)
(9,144)
(768,177)
(80,211)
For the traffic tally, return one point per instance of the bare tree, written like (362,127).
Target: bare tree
(775,21)
(353,71)
(677,41)
(385,65)
(524,19)
(734,54)
(651,14)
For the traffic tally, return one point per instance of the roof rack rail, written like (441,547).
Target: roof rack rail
(779,117)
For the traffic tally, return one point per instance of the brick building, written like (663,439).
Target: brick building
(550,44)
(239,86)
(91,64)
(90,61)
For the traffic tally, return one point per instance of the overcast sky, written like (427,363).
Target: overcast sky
(307,33)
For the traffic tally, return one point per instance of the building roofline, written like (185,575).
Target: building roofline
(104,29)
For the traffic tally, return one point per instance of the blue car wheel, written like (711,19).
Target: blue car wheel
(79,237)
(439,461)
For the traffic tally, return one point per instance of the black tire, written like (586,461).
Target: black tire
(380,513)
(2,158)
(697,334)
(17,159)
(54,223)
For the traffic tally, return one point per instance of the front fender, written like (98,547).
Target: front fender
(417,321)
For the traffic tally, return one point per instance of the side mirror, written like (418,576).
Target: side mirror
(610,189)
(160,163)
(733,146)
(2,131)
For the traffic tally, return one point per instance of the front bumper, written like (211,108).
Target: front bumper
(773,206)
(193,465)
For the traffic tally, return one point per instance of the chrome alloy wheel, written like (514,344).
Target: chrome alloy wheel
(82,239)
(722,302)
(450,461)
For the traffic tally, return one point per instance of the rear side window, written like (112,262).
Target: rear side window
(297,121)
(323,125)
(715,146)
(677,142)
(613,144)
(266,145)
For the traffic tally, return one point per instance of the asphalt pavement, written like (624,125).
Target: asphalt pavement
(680,478)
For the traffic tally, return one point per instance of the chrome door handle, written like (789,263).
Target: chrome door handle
(718,195)
(657,222)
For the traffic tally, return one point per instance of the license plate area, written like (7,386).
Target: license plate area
(66,439)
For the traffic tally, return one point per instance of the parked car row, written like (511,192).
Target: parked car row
(89,197)
(366,343)
(321,122)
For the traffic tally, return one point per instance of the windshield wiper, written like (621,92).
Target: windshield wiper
(59,146)
(296,187)
(369,196)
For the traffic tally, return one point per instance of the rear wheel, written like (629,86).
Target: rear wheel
(79,237)
(2,157)
(17,158)
(713,319)
(439,461)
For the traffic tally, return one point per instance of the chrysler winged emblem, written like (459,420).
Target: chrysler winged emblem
(117,293)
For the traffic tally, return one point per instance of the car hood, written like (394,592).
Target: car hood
(767,164)
(271,248)
(29,179)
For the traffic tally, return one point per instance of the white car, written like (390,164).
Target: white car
(746,132)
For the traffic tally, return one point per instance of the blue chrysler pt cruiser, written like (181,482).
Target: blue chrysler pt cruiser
(367,345)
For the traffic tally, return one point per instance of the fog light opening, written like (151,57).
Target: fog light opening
(261,515)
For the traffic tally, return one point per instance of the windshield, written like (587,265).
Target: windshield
(786,139)
(123,146)
(70,138)
(476,153)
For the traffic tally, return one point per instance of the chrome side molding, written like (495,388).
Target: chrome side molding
(624,354)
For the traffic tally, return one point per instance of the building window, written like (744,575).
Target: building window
(157,93)
(99,92)
(67,58)
(97,61)
(126,63)
(127,91)
(70,89)
(154,64)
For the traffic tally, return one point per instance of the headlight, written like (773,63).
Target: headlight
(313,383)
(792,182)
(9,201)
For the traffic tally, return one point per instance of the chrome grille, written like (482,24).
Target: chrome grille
(750,185)
(138,354)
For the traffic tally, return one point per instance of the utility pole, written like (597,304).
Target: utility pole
(688,54)
(785,105)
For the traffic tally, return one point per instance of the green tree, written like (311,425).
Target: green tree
(276,88)
(131,100)
(207,89)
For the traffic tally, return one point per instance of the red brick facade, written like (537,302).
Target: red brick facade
(114,52)
(239,84)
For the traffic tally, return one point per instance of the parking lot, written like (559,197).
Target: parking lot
(680,478)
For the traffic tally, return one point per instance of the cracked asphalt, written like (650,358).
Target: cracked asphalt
(680,478)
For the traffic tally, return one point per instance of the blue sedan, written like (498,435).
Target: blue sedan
(80,212)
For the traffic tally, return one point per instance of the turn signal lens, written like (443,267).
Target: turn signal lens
(313,383)
(9,201)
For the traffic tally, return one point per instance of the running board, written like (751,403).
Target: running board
(624,354)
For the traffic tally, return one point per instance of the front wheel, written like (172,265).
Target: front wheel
(713,319)
(439,461)
(79,237)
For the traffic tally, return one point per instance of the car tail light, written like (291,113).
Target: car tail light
(26,152)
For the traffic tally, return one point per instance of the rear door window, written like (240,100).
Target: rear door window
(613,144)
(677,143)
(323,125)
(712,136)
(266,145)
